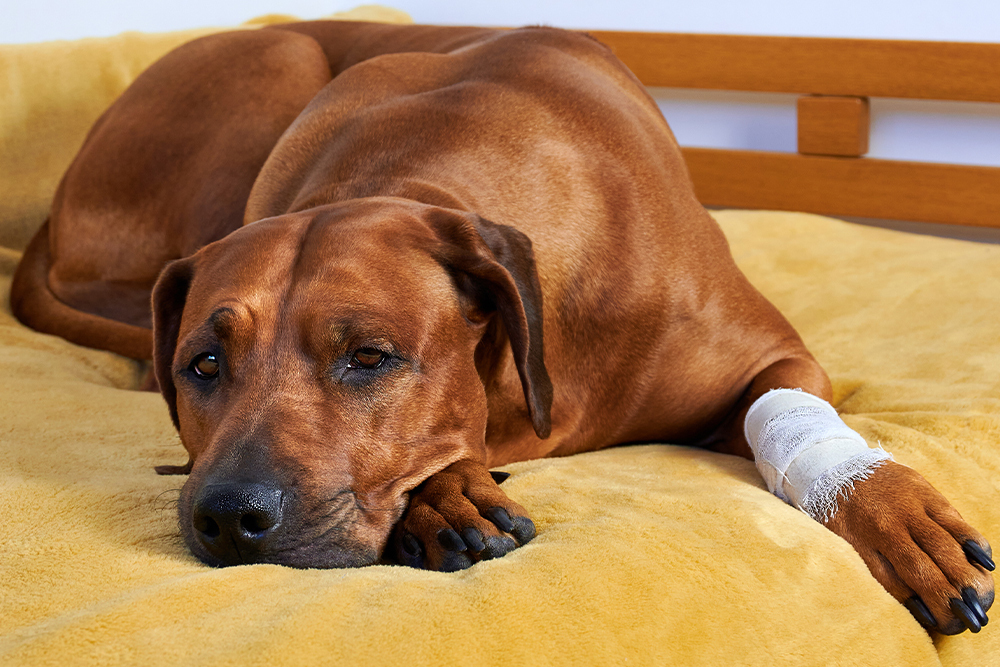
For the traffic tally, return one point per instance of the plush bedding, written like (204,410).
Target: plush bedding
(645,555)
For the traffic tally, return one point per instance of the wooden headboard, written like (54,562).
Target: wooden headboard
(836,78)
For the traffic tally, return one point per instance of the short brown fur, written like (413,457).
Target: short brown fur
(503,220)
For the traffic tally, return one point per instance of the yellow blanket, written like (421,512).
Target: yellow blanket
(652,555)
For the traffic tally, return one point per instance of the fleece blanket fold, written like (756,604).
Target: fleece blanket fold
(645,555)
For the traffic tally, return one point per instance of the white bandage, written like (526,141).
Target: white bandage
(807,455)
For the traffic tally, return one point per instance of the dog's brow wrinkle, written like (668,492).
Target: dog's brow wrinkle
(294,269)
(224,322)
(357,325)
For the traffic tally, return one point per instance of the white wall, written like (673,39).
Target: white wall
(962,20)
(967,133)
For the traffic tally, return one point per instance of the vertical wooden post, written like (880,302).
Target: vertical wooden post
(831,125)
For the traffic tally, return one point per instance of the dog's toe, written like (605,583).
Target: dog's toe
(976,554)
(920,611)
(919,548)
(521,527)
(497,546)
(458,517)
(474,540)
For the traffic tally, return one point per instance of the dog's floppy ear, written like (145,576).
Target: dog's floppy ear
(169,295)
(499,258)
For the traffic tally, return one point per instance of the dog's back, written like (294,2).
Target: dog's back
(546,131)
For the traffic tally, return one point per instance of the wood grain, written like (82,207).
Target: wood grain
(858,67)
(924,192)
(833,125)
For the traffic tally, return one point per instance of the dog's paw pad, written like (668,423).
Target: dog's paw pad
(453,562)
(497,546)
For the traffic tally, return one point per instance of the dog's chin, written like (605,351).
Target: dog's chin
(227,523)
(312,555)
(297,543)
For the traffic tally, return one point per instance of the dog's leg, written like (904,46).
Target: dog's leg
(457,517)
(912,539)
(166,170)
(919,548)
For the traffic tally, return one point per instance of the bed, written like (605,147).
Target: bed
(645,555)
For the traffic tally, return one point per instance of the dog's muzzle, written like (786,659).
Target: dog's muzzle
(237,523)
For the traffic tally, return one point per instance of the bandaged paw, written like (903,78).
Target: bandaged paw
(807,455)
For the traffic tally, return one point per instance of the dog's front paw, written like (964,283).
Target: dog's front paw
(919,548)
(458,517)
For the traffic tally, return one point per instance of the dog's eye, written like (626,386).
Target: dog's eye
(205,366)
(367,357)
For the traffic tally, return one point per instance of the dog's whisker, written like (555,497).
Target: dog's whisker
(161,504)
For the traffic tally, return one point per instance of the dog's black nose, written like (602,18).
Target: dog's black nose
(237,523)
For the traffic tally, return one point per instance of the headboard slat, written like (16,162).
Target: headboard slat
(861,67)
(864,187)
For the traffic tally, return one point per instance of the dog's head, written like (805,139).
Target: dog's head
(321,365)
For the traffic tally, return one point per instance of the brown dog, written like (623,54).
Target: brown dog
(366,230)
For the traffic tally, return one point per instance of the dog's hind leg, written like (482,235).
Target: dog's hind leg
(165,170)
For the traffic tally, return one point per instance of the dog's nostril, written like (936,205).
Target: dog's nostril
(255,525)
(207,526)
